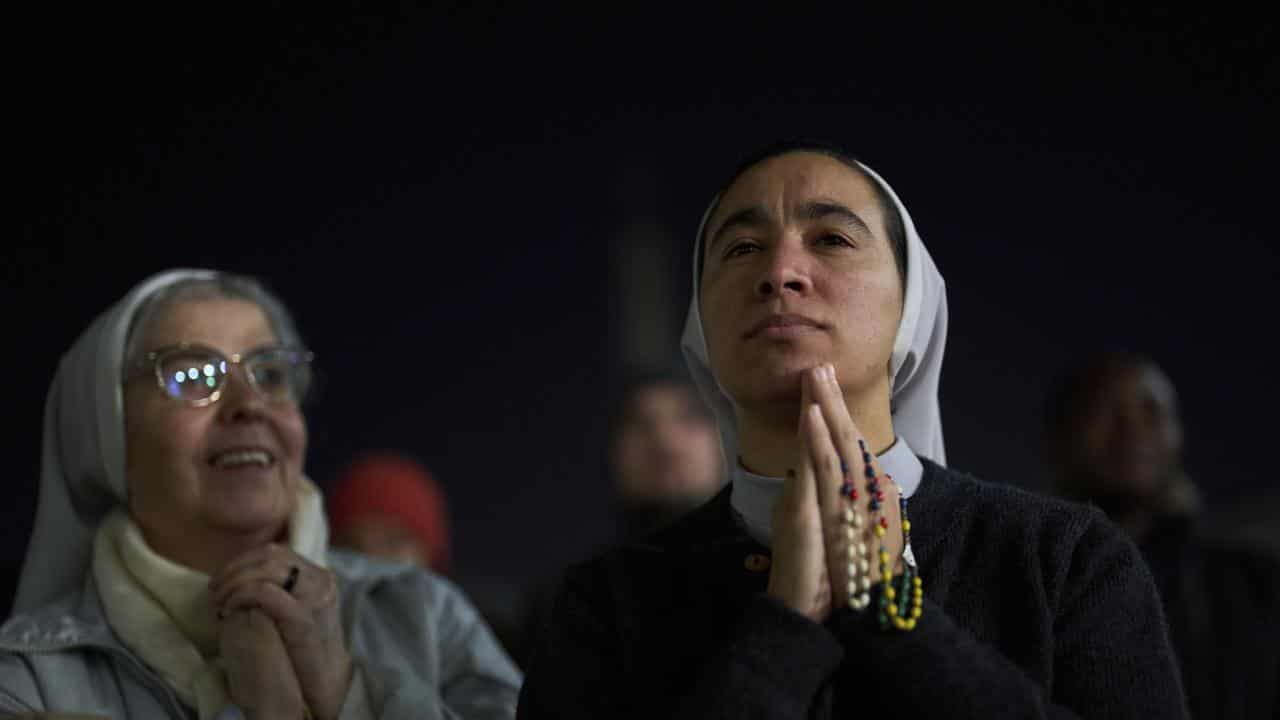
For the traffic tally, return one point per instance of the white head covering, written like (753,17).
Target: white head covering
(82,457)
(916,363)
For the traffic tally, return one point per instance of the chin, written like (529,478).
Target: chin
(248,515)
(780,365)
(770,385)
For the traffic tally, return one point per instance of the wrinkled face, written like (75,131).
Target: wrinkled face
(233,466)
(797,271)
(666,447)
(1128,435)
(385,537)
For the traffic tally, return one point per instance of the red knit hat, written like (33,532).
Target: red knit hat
(394,485)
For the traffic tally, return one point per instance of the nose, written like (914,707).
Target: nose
(786,271)
(239,401)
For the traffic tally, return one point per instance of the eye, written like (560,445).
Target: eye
(835,240)
(741,247)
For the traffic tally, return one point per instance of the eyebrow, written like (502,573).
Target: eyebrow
(750,217)
(816,210)
(822,209)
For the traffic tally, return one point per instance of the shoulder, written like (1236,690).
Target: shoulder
(381,588)
(416,622)
(697,556)
(951,496)
(706,526)
(60,624)
(1062,543)
(56,653)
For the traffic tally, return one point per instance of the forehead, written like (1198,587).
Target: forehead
(1119,384)
(230,325)
(794,178)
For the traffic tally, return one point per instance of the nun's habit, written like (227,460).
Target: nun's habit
(1033,607)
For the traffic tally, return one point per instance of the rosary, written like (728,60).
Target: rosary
(901,600)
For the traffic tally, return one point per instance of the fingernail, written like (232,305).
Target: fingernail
(831,373)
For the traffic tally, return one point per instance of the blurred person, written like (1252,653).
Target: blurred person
(1115,439)
(816,333)
(179,566)
(664,457)
(664,451)
(387,505)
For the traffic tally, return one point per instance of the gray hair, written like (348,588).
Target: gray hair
(222,286)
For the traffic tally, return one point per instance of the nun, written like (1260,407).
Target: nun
(845,570)
(180,566)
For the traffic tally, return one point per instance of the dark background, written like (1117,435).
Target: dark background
(441,194)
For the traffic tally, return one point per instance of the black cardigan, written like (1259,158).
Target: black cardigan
(1034,608)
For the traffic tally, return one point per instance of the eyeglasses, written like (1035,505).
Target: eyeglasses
(197,374)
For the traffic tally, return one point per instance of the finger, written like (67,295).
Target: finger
(275,575)
(275,565)
(787,498)
(838,529)
(255,558)
(807,483)
(282,608)
(243,628)
(826,462)
(844,431)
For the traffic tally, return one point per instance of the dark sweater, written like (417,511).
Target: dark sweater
(1035,608)
(1223,605)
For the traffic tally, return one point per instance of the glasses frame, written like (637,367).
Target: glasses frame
(154,359)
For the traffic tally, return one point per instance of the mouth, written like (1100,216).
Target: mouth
(784,325)
(242,457)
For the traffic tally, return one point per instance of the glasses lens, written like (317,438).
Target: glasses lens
(191,375)
(281,374)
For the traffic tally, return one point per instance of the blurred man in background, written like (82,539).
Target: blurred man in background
(1115,439)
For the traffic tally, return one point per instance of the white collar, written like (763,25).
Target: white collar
(752,496)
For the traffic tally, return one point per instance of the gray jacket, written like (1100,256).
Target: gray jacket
(421,648)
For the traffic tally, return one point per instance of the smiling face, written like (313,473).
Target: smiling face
(230,468)
(798,270)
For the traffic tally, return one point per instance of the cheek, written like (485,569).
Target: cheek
(874,308)
(161,448)
(715,320)
(293,432)
(151,436)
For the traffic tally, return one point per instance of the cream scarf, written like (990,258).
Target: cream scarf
(161,610)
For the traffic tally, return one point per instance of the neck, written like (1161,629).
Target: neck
(209,550)
(770,442)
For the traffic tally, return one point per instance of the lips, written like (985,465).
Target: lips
(784,324)
(242,456)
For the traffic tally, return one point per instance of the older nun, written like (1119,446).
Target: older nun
(179,566)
